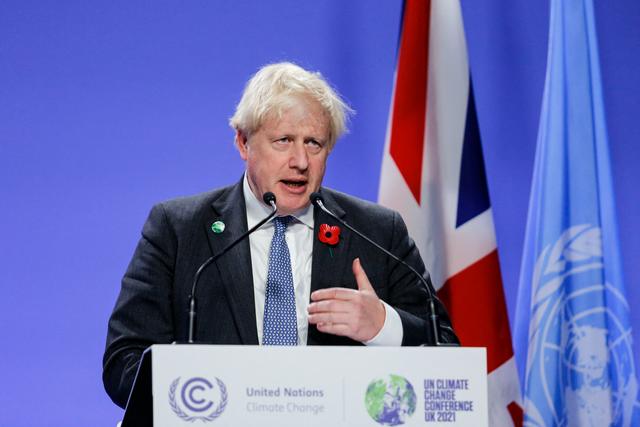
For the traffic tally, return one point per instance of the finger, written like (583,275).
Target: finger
(334,328)
(334,293)
(330,305)
(321,318)
(361,277)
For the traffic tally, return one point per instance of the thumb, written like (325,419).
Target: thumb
(361,277)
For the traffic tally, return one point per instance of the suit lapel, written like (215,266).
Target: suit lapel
(234,267)
(331,264)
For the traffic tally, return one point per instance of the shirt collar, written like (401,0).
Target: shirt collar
(256,209)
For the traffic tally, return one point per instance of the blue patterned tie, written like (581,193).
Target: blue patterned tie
(280,325)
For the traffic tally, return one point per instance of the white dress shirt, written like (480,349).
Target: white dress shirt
(299,237)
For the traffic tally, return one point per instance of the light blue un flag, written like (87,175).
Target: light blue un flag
(573,334)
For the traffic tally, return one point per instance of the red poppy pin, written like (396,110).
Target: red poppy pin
(329,234)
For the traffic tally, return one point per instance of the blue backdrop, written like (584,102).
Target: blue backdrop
(108,107)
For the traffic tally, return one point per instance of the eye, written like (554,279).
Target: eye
(314,145)
(281,143)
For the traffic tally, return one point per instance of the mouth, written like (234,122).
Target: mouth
(295,185)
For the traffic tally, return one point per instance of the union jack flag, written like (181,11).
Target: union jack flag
(433,174)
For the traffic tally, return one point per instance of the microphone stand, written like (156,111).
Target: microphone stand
(270,199)
(317,200)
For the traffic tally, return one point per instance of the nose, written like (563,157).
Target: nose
(299,158)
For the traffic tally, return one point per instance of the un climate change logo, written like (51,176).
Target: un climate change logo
(390,401)
(198,399)
(580,356)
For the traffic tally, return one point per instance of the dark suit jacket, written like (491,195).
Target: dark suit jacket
(177,237)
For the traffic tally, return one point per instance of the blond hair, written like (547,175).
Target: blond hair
(271,90)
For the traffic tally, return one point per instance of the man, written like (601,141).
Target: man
(286,284)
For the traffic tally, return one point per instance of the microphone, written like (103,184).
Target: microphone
(318,201)
(270,199)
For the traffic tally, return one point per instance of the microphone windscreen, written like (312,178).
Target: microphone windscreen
(269,197)
(316,197)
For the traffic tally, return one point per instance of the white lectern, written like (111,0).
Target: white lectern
(216,385)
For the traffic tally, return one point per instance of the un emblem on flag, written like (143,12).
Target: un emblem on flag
(580,370)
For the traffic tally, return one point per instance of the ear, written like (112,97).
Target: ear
(241,142)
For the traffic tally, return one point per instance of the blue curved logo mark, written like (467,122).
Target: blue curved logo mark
(195,399)
(190,393)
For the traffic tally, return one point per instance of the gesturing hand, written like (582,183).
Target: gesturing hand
(357,314)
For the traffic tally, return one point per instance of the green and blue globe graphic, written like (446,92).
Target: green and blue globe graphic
(390,401)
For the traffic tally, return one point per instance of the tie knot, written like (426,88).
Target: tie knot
(281,223)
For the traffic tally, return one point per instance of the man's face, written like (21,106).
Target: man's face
(288,155)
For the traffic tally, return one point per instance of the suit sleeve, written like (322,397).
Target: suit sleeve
(143,312)
(409,296)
